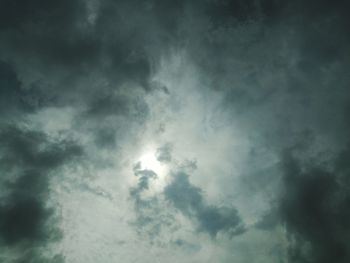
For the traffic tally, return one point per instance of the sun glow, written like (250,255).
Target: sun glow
(148,161)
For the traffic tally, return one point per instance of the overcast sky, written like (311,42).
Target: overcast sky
(174,131)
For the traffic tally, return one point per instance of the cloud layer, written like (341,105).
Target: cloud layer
(178,131)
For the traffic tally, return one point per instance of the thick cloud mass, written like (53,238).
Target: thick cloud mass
(27,160)
(315,208)
(177,131)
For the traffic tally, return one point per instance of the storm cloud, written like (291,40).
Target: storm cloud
(179,131)
(315,209)
(28,159)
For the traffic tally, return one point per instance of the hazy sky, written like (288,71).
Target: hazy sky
(174,131)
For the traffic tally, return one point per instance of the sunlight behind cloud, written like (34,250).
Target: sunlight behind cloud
(148,161)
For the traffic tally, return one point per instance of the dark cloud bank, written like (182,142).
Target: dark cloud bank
(281,68)
(27,160)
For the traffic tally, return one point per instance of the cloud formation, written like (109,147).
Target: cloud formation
(28,159)
(244,106)
(315,209)
(188,199)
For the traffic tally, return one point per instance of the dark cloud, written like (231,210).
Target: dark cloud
(314,208)
(10,87)
(278,68)
(105,138)
(224,13)
(190,201)
(14,100)
(288,63)
(62,40)
(23,218)
(49,30)
(105,106)
(27,160)
(32,149)
(55,47)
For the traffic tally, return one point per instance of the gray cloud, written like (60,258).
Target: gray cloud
(190,201)
(315,209)
(263,76)
(27,159)
(151,216)
(15,100)
(164,153)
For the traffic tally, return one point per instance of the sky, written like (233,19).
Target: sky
(174,131)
